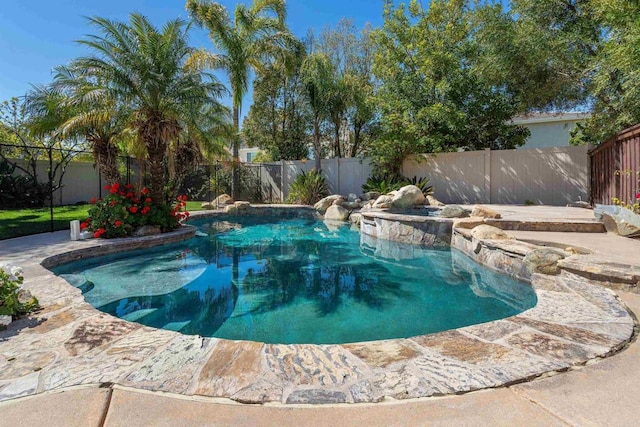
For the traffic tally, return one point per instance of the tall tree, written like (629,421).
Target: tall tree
(96,117)
(278,119)
(317,75)
(256,33)
(432,95)
(148,70)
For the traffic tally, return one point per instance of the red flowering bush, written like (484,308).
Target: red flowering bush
(121,211)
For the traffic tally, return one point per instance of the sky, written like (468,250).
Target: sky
(37,35)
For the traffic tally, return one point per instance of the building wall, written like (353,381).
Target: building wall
(549,134)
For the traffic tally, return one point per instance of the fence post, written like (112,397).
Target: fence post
(487,175)
(283,180)
(51,188)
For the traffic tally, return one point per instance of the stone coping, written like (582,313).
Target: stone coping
(71,343)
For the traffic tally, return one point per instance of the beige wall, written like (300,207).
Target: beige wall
(549,134)
(551,176)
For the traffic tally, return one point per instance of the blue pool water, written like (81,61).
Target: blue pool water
(296,281)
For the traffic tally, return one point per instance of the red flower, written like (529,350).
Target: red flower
(117,223)
(83,225)
(99,233)
(135,200)
(114,190)
(128,186)
(173,213)
(116,186)
(147,200)
(93,200)
(107,187)
(638,196)
(133,209)
(113,203)
(145,190)
(145,210)
(129,195)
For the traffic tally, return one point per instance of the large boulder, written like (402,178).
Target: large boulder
(355,218)
(231,210)
(454,211)
(484,232)
(351,205)
(370,195)
(485,212)
(382,202)
(324,204)
(432,201)
(407,196)
(618,220)
(336,213)
(544,261)
(219,202)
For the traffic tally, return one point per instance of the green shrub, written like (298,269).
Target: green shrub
(308,188)
(13,300)
(120,212)
(383,183)
(386,183)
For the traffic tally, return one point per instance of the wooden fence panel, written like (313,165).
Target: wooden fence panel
(615,167)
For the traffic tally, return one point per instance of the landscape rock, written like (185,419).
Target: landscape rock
(454,211)
(485,212)
(407,196)
(336,213)
(218,202)
(147,230)
(231,209)
(544,261)
(368,205)
(618,220)
(382,202)
(322,205)
(355,218)
(242,205)
(351,205)
(484,231)
(223,199)
(432,201)
(352,197)
(339,201)
(580,204)
(370,195)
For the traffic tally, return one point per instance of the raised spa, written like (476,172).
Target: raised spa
(296,281)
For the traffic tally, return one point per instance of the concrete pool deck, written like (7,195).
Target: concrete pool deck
(124,403)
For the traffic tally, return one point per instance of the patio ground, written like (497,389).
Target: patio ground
(600,394)
(603,393)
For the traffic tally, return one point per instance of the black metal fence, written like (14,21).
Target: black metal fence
(43,188)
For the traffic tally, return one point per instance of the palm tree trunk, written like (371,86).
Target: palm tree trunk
(235,182)
(316,144)
(155,133)
(105,155)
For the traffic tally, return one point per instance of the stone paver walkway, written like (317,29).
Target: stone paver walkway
(603,394)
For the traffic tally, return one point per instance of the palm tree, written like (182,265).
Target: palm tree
(317,75)
(96,117)
(256,34)
(147,71)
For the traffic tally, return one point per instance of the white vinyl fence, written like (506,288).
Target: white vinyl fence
(552,176)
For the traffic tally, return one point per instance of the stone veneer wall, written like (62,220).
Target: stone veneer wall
(418,230)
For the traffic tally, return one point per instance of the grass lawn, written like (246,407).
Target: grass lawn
(23,222)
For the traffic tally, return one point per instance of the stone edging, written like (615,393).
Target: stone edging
(71,343)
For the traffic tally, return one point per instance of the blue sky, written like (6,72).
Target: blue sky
(37,35)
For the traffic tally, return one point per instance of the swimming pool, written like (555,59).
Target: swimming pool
(296,281)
